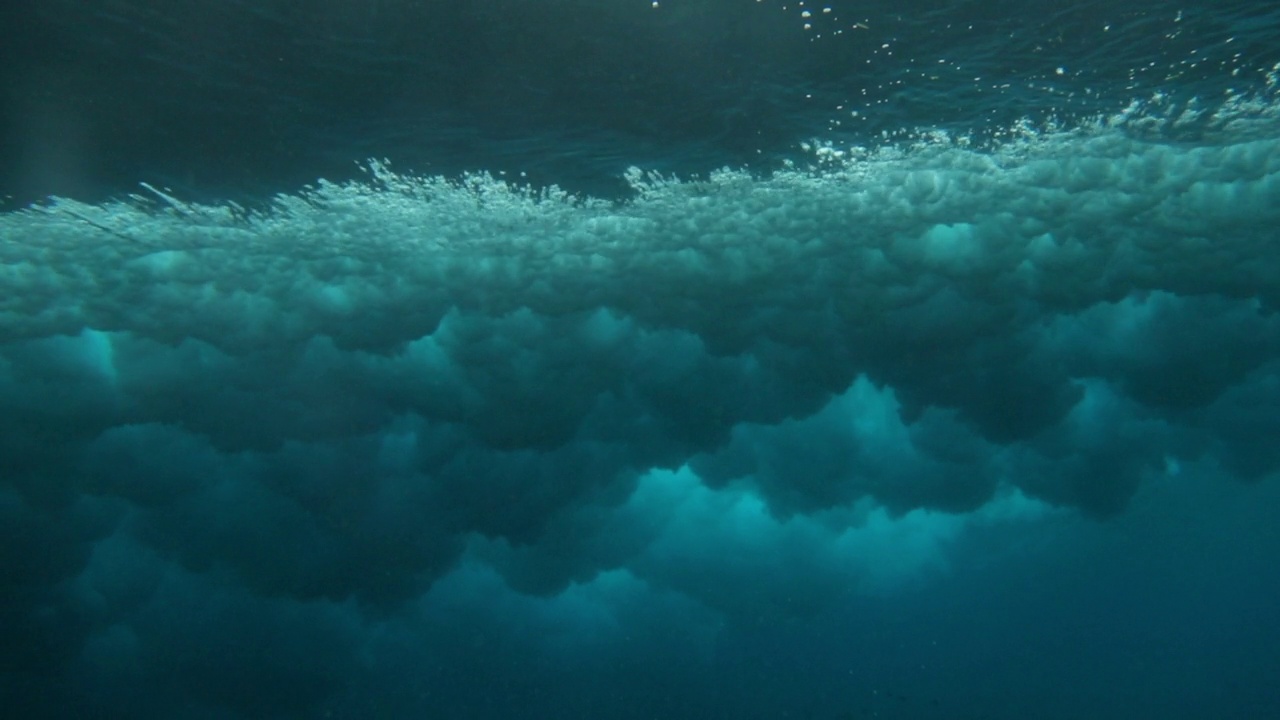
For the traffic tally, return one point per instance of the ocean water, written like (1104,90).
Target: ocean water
(613,359)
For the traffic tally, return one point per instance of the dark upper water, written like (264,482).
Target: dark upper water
(957,395)
(237,98)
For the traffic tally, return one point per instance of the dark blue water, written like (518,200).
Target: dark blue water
(239,98)
(703,359)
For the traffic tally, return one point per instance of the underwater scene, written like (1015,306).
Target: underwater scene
(622,359)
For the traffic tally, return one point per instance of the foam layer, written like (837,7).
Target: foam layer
(386,371)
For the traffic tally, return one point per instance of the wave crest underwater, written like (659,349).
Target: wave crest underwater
(989,290)
(725,396)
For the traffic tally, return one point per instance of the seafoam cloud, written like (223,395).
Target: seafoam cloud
(378,392)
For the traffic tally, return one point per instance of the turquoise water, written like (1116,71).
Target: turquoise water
(713,359)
